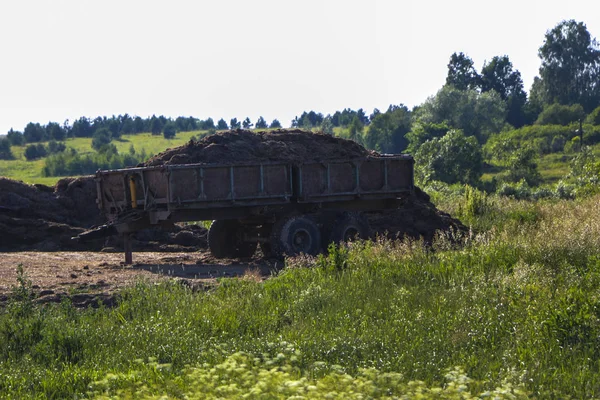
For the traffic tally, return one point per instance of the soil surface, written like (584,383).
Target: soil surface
(90,278)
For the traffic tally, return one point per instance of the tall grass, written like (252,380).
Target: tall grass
(515,307)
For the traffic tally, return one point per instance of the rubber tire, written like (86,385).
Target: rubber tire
(348,226)
(225,240)
(294,236)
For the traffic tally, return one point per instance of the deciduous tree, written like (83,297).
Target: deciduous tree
(570,69)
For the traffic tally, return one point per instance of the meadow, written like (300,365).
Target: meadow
(31,171)
(512,310)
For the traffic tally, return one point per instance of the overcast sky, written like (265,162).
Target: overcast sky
(63,59)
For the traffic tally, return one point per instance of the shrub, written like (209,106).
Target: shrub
(100,138)
(558,144)
(475,203)
(559,114)
(70,163)
(594,117)
(56,147)
(170,130)
(519,191)
(35,151)
(521,165)
(452,158)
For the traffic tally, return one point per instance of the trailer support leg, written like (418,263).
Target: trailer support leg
(127,247)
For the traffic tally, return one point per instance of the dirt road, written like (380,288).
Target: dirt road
(91,277)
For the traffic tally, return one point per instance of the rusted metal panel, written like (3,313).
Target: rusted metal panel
(376,176)
(199,186)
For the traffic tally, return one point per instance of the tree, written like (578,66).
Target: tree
(422,132)
(247,124)
(498,75)
(100,139)
(476,114)
(234,123)
(5,152)
(139,125)
(453,158)
(261,123)
(82,128)
(34,133)
(170,130)
(308,120)
(156,125)
(222,125)
(15,138)
(208,124)
(355,130)
(387,131)
(461,72)
(275,124)
(327,125)
(570,69)
(55,131)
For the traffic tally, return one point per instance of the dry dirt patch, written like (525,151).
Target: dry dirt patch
(89,277)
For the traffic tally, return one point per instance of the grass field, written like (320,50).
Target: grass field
(513,311)
(31,171)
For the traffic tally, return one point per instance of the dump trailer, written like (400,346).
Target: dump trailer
(286,208)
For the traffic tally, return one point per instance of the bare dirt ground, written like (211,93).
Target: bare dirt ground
(90,278)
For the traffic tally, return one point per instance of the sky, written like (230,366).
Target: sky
(64,59)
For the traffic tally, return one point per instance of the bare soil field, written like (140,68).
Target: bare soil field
(90,278)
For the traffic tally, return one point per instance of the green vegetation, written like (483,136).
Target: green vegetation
(144,144)
(515,308)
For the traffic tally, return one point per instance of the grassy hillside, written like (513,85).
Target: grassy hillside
(31,171)
(512,311)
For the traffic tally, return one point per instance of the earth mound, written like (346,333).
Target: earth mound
(44,218)
(240,145)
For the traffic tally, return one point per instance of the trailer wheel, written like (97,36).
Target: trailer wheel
(225,240)
(349,226)
(295,235)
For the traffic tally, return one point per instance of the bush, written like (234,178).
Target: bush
(594,117)
(558,144)
(475,203)
(453,158)
(170,130)
(70,163)
(559,114)
(35,151)
(56,147)
(519,191)
(101,138)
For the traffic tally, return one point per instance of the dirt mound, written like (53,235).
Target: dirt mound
(418,218)
(247,146)
(45,218)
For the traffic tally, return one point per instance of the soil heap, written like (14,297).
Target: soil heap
(44,218)
(238,146)
(39,217)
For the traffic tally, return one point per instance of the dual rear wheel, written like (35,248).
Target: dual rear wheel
(291,236)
